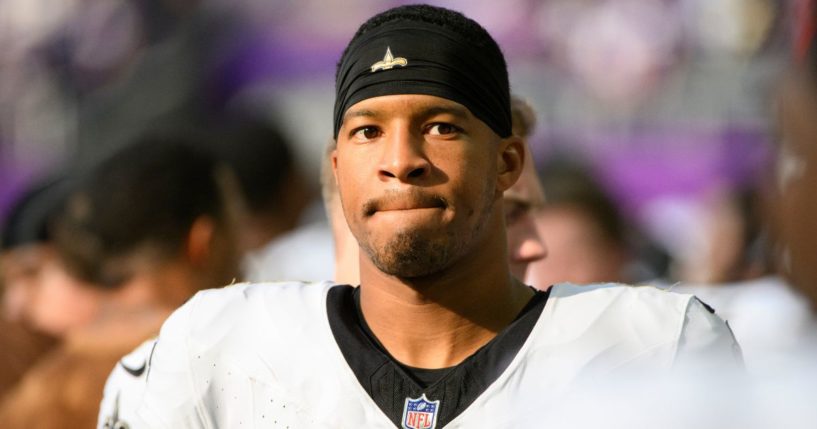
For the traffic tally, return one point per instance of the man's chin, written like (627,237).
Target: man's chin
(406,272)
(411,257)
(409,266)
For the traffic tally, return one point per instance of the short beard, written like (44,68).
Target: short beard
(410,255)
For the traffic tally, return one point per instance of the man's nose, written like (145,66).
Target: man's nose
(403,157)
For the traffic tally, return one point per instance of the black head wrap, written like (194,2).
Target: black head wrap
(412,57)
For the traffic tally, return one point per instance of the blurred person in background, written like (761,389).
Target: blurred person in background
(738,249)
(276,195)
(26,252)
(795,218)
(346,251)
(145,228)
(783,393)
(589,241)
(758,267)
(737,276)
(523,199)
(319,250)
(730,238)
(274,190)
(582,227)
(39,284)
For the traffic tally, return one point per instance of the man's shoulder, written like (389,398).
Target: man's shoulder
(249,293)
(230,304)
(651,314)
(608,296)
(244,311)
(249,332)
(634,302)
(639,319)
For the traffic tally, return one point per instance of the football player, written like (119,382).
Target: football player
(438,333)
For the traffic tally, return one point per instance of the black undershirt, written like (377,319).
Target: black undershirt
(423,376)
(389,383)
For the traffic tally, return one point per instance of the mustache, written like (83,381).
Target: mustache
(403,200)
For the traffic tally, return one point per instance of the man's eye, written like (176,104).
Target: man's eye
(366,133)
(443,129)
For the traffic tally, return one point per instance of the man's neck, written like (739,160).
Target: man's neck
(439,322)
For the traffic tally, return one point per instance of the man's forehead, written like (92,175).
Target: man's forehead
(414,104)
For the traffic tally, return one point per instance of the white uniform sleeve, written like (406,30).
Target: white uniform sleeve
(706,341)
(124,388)
(171,399)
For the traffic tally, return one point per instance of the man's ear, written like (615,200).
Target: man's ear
(511,159)
(333,159)
(200,239)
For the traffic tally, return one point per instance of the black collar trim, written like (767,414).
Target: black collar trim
(388,383)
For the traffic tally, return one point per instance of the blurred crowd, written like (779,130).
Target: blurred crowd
(153,148)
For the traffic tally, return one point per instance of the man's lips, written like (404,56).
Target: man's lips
(403,201)
(407,207)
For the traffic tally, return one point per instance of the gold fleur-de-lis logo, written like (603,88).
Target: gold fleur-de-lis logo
(389,62)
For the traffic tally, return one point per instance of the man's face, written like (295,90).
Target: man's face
(524,242)
(418,180)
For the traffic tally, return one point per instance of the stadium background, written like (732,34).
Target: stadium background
(670,101)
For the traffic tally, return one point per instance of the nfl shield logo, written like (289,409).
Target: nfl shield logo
(420,413)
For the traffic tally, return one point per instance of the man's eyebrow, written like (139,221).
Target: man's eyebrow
(351,113)
(458,111)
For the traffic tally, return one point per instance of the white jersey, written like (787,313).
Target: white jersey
(771,321)
(291,355)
